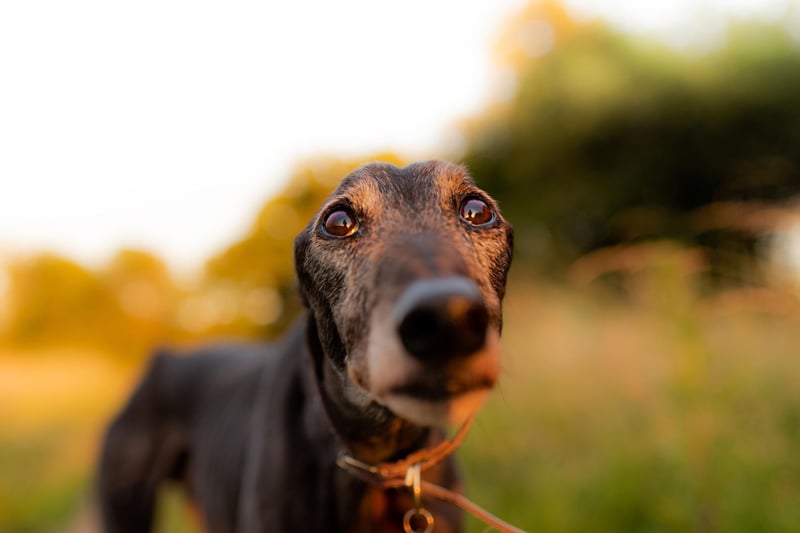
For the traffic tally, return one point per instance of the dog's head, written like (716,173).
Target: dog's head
(404,270)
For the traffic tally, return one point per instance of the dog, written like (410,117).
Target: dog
(402,273)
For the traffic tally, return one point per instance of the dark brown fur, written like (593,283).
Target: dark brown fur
(254,430)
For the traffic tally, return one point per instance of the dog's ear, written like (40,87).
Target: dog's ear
(500,283)
(300,248)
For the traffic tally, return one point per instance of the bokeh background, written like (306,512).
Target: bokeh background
(157,161)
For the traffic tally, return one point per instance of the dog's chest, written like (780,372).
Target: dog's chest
(383,510)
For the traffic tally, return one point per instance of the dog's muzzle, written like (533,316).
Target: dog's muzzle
(436,358)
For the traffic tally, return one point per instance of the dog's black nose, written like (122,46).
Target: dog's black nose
(442,319)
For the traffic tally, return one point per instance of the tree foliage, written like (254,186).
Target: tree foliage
(609,139)
(127,306)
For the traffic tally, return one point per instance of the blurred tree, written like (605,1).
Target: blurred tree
(144,299)
(256,273)
(127,307)
(607,139)
(52,298)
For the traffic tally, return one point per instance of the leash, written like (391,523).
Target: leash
(408,473)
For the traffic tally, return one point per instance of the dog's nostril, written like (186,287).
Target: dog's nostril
(476,318)
(417,328)
(442,324)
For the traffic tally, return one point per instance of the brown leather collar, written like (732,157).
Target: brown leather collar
(426,458)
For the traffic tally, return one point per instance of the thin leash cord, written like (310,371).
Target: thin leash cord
(471,507)
(461,501)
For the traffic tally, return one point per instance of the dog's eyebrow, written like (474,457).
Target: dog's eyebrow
(339,199)
(362,196)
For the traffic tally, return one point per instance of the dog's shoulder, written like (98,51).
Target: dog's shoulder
(214,361)
(179,380)
(187,378)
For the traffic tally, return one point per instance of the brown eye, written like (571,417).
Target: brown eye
(476,212)
(341,223)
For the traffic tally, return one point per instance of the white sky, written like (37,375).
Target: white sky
(165,124)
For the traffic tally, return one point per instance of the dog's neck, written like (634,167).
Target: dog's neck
(369,431)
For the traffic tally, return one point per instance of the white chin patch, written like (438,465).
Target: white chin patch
(452,412)
(390,367)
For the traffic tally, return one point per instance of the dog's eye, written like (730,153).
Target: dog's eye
(476,212)
(341,223)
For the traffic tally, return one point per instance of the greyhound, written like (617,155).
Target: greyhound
(402,273)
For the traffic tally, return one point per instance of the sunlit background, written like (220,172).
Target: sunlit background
(157,158)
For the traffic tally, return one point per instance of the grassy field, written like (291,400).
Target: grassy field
(667,414)
(665,411)
(52,406)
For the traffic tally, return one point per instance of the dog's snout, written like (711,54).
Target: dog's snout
(442,319)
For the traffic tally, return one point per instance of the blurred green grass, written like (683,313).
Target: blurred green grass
(668,413)
(33,495)
(666,409)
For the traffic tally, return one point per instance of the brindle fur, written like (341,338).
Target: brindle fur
(254,430)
